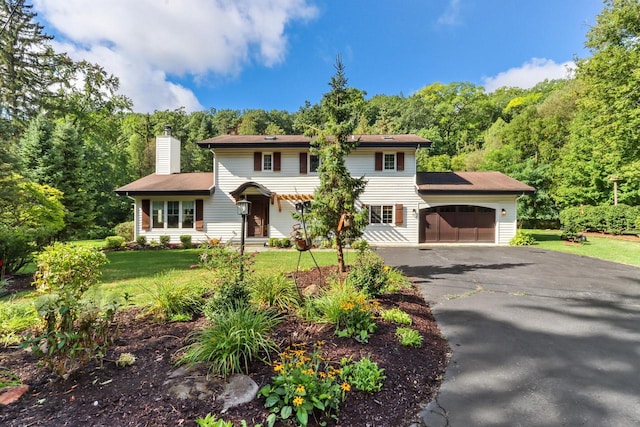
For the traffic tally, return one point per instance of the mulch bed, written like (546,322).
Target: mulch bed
(138,396)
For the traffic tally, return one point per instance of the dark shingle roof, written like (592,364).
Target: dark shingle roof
(301,141)
(196,184)
(469,183)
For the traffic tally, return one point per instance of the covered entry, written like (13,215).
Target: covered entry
(258,218)
(457,223)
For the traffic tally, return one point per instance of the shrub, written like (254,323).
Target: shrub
(141,241)
(173,301)
(285,242)
(304,385)
(115,242)
(185,239)
(125,230)
(396,280)
(368,274)
(16,317)
(273,242)
(212,421)
(274,291)
(522,238)
(76,330)
(396,315)
(364,374)
(360,245)
(409,337)
(164,240)
(231,294)
(235,338)
(226,263)
(619,218)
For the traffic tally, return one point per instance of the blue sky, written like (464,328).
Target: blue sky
(275,54)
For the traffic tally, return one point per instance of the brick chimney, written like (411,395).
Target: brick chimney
(167,153)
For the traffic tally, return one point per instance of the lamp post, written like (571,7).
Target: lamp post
(244,206)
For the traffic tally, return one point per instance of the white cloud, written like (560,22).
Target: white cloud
(529,74)
(451,15)
(148,42)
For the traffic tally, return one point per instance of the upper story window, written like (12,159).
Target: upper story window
(389,162)
(309,163)
(314,163)
(267,162)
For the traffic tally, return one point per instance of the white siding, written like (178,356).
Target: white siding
(167,155)
(174,233)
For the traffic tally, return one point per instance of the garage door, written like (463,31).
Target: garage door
(473,224)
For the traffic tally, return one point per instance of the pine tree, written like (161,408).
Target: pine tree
(28,65)
(338,191)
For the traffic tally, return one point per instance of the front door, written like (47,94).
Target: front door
(258,218)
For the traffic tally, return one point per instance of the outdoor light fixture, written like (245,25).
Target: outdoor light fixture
(244,206)
(504,212)
(415,213)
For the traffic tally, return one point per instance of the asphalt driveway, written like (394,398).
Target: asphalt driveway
(538,338)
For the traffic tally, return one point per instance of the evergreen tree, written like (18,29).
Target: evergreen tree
(28,65)
(338,191)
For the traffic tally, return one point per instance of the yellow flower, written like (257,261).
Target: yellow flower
(347,306)
(297,401)
(320,343)
(345,387)
(278,367)
(322,374)
(300,389)
(387,268)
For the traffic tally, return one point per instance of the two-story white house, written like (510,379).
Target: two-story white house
(275,172)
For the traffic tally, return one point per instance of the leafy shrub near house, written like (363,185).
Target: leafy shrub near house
(115,242)
(368,274)
(522,238)
(185,239)
(141,241)
(125,230)
(76,329)
(164,240)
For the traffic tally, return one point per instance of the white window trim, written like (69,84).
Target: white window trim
(165,215)
(395,162)
(263,156)
(393,215)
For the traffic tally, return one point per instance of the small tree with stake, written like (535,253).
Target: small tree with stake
(334,210)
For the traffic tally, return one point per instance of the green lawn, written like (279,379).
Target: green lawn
(622,251)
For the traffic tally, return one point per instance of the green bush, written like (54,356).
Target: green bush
(185,239)
(233,341)
(125,230)
(273,291)
(141,241)
(409,337)
(304,385)
(230,294)
(616,219)
(285,242)
(364,375)
(396,280)
(360,245)
(522,238)
(396,315)
(76,330)
(172,301)
(368,274)
(164,240)
(620,218)
(273,242)
(15,318)
(212,421)
(115,242)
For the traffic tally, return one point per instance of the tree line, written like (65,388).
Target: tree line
(69,138)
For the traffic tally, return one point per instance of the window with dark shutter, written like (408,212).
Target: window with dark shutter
(146,218)
(199,214)
(303,163)
(399,161)
(378,161)
(276,161)
(257,161)
(399,214)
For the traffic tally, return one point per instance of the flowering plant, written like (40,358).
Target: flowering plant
(357,318)
(302,385)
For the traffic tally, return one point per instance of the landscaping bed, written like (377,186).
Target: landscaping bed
(139,395)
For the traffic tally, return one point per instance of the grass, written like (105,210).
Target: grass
(621,251)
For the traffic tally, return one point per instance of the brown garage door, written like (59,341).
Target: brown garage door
(457,224)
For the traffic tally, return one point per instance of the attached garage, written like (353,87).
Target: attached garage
(450,224)
(468,207)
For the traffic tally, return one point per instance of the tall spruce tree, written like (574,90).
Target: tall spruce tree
(338,191)
(28,66)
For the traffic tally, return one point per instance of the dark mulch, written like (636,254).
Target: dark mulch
(138,396)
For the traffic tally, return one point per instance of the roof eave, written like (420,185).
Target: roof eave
(133,193)
(475,192)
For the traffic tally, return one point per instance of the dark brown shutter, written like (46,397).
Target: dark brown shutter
(378,161)
(303,163)
(199,215)
(399,161)
(146,218)
(257,161)
(399,214)
(276,161)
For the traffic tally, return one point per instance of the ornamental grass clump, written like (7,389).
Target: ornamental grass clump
(233,341)
(273,291)
(172,301)
(304,385)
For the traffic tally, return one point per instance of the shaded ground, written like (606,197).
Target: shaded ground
(139,395)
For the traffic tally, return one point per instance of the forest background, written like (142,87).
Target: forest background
(68,139)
